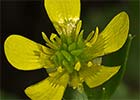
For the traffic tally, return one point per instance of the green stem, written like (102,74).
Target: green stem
(130,38)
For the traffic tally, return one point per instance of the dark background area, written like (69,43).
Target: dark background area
(29,18)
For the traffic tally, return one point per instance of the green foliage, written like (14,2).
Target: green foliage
(72,94)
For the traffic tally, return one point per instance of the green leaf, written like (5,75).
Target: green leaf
(73,94)
(108,88)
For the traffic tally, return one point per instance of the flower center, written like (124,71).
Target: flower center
(68,55)
(67,47)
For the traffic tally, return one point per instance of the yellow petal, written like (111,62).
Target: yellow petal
(52,88)
(25,54)
(97,61)
(112,37)
(62,10)
(97,75)
(63,13)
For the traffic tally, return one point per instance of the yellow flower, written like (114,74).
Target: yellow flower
(68,58)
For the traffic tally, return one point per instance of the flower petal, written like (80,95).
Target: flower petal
(112,37)
(97,75)
(25,54)
(52,88)
(97,61)
(63,12)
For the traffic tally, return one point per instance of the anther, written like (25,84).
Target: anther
(52,37)
(77,66)
(74,87)
(90,64)
(60,69)
(88,44)
(81,79)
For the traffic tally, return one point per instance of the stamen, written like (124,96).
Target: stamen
(88,44)
(90,64)
(48,42)
(78,28)
(77,66)
(60,69)
(74,87)
(80,88)
(81,79)
(89,36)
(94,38)
(52,37)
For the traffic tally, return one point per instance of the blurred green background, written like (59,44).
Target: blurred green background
(28,18)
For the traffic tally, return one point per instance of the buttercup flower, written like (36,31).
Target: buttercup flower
(68,57)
